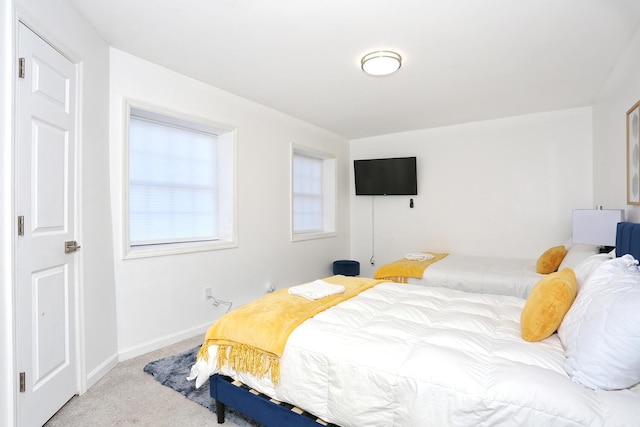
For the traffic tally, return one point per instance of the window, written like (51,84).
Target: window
(313,194)
(180,185)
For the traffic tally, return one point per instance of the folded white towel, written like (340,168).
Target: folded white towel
(418,256)
(316,290)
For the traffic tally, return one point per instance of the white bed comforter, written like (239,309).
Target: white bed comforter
(404,355)
(501,276)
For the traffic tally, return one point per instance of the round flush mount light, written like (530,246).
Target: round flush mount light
(381,63)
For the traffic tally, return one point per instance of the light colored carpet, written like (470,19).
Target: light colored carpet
(128,396)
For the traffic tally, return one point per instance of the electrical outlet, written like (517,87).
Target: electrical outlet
(208,293)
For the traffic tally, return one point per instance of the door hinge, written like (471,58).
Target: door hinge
(23,381)
(21,68)
(21,225)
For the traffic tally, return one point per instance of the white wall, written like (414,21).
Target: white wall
(618,95)
(498,188)
(59,23)
(160,299)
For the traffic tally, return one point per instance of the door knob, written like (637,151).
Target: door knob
(71,246)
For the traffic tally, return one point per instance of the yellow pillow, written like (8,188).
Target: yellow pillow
(548,302)
(550,260)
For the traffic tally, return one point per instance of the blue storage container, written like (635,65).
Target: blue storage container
(346,267)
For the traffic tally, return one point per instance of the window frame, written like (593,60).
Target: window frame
(227,212)
(329,193)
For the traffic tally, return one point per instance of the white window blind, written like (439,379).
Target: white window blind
(173,188)
(307,194)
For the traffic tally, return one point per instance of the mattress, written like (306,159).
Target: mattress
(406,355)
(501,276)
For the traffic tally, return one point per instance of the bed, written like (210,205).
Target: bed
(406,355)
(492,275)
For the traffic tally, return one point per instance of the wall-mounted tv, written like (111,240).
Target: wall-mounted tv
(392,176)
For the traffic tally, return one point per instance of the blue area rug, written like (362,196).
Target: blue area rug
(172,371)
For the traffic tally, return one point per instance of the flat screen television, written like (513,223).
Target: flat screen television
(386,177)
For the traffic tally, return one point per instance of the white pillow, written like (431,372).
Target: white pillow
(576,254)
(589,265)
(601,330)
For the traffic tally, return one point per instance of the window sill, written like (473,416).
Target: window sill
(299,237)
(175,249)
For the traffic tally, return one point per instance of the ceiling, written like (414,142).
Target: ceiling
(464,60)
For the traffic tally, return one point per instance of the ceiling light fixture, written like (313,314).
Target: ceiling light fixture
(381,63)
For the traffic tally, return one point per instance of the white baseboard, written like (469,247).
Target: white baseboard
(102,370)
(141,349)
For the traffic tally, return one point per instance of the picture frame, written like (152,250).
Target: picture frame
(633,155)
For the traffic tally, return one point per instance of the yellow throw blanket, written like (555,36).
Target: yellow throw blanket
(252,338)
(399,271)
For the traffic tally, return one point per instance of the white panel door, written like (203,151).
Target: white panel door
(46,138)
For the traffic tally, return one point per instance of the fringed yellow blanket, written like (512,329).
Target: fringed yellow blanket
(399,271)
(252,338)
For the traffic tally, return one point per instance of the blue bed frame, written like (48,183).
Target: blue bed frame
(257,406)
(271,413)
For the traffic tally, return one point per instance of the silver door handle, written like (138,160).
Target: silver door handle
(71,246)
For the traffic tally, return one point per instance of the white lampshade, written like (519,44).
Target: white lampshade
(381,63)
(596,226)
